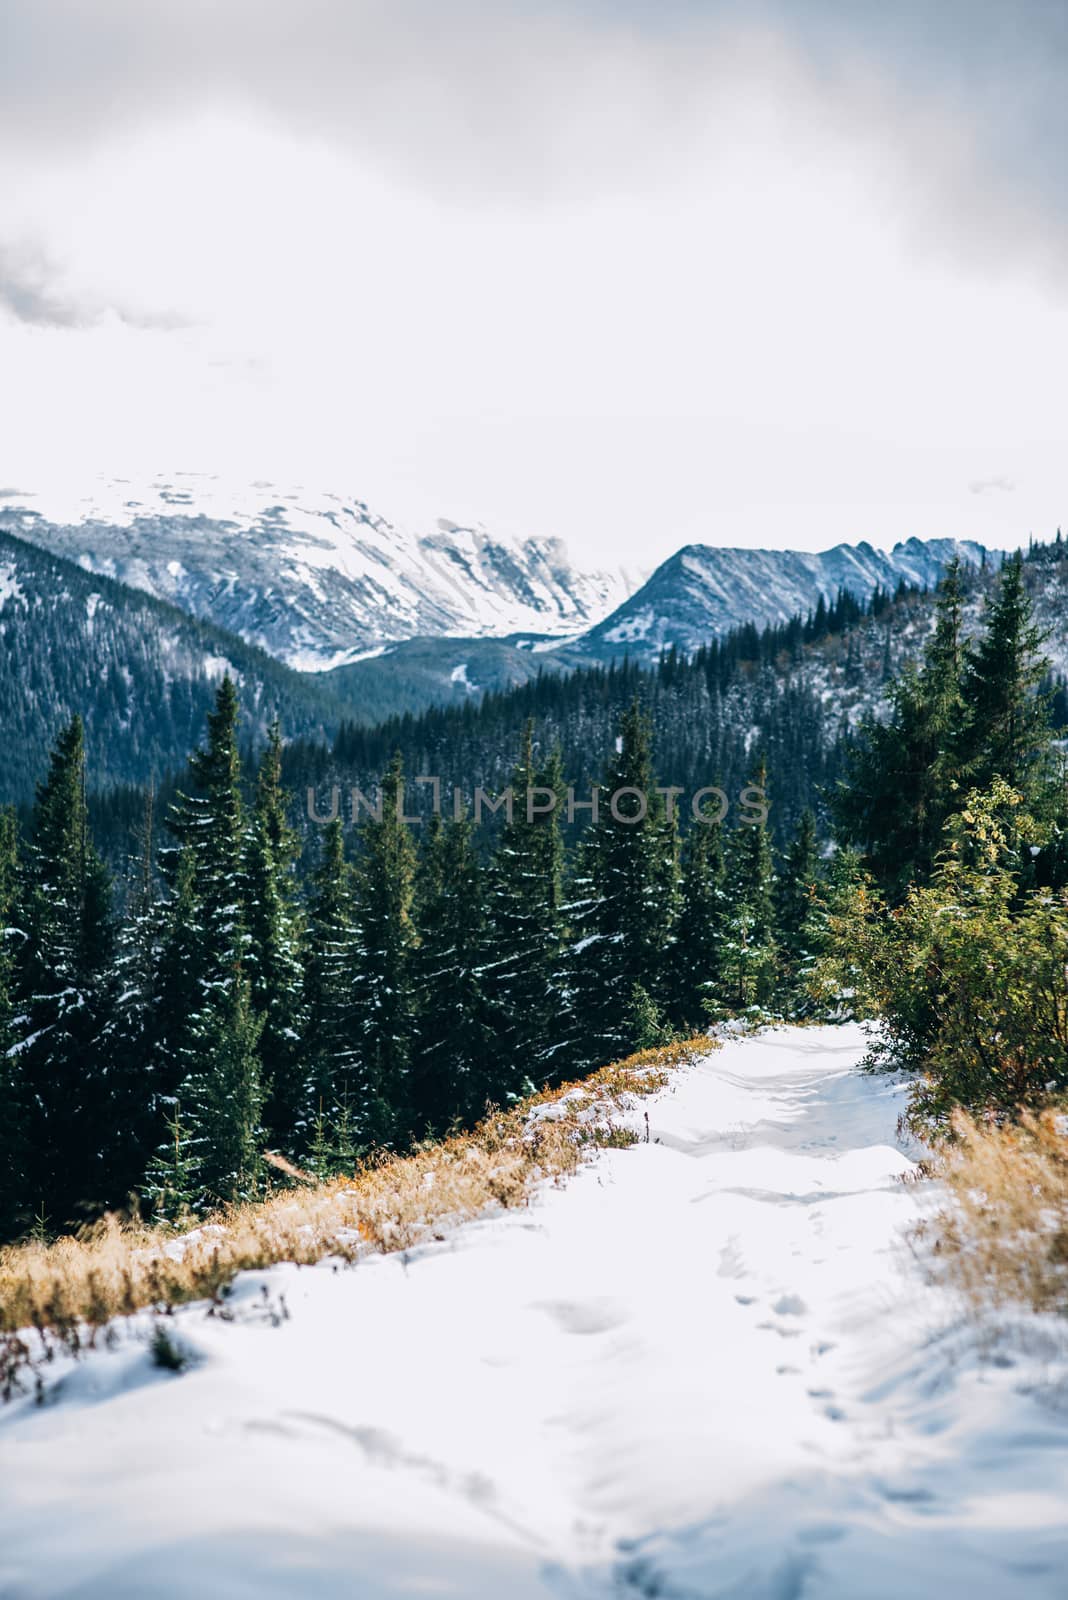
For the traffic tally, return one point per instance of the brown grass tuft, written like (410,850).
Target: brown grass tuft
(72,1289)
(1004,1238)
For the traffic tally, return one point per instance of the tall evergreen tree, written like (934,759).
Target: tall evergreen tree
(385,883)
(524,974)
(749,962)
(1007,729)
(64,995)
(331,980)
(455,1060)
(215,1043)
(904,774)
(702,925)
(274,955)
(798,914)
(211,823)
(626,901)
(224,1094)
(14,1187)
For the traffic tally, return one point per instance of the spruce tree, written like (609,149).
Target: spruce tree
(211,823)
(749,965)
(224,1095)
(214,1042)
(385,880)
(626,901)
(274,955)
(456,1060)
(1007,730)
(702,925)
(524,972)
(64,995)
(330,992)
(903,779)
(797,914)
(14,1152)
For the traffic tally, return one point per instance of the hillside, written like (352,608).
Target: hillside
(141,673)
(315,578)
(707,1366)
(793,693)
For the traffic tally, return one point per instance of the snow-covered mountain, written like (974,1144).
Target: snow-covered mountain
(704,590)
(314,578)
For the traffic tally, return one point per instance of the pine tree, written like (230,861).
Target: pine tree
(213,1043)
(524,979)
(1007,731)
(455,1061)
(331,980)
(14,1153)
(904,775)
(180,981)
(749,965)
(626,899)
(702,924)
(274,954)
(211,823)
(224,1094)
(64,995)
(385,879)
(133,1040)
(797,902)
(172,1187)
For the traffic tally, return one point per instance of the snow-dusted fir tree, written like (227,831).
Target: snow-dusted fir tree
(220,1085)
(625,902)
(385,887)
(799,916)
(63,985)
(903,777)
(698,955)
(330,1009)
(748,969)
(1006,732)
(454,1060)
(273,962)
(524,975)
(14,1190)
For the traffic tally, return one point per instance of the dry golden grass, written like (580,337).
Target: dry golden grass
(75,1287)
(1004,1238)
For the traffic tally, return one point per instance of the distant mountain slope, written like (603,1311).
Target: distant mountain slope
(141,673)
(791,694)
(316,578)
(703,591)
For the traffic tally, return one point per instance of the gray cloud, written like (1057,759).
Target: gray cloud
(519,98)
(32,290)
(27,293)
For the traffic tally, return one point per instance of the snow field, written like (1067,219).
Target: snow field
(707,1366)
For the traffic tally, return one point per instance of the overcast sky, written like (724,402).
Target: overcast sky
(636,274)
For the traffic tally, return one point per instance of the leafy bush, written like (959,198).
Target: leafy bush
(969,976)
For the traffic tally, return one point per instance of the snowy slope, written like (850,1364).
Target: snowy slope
(703,590)
(708,1367)
(314,578)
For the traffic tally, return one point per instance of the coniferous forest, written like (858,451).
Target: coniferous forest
(255,1007)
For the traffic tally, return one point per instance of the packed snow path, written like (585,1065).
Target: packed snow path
(708,1366)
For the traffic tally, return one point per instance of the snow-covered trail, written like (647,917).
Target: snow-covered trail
(708,1366)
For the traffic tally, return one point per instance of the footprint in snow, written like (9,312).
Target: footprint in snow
(584,1316)
(789,1305)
